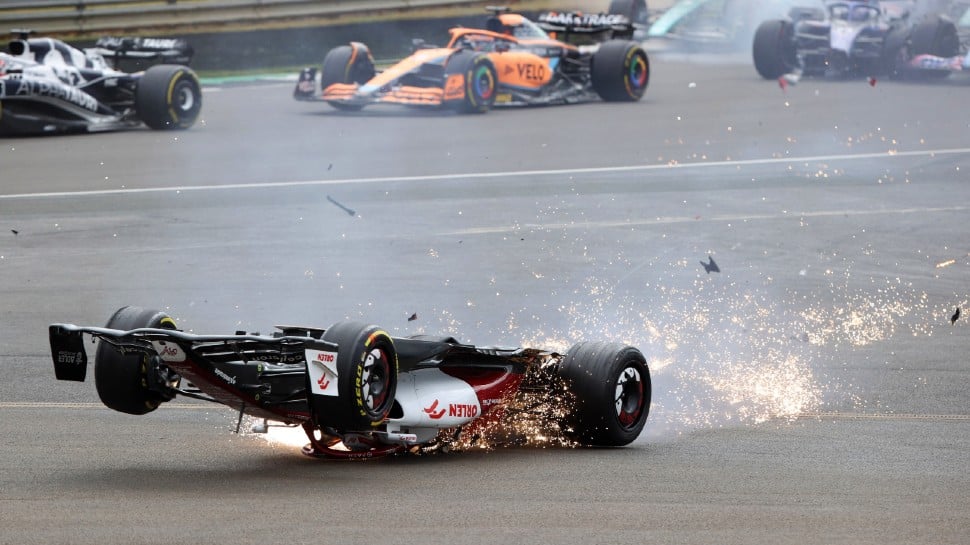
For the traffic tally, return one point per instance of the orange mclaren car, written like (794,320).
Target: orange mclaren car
(512,61)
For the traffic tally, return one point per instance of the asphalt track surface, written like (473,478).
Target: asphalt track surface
(813,391)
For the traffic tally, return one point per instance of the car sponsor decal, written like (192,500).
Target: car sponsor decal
(584,19)
(432,413)
(455,87)
(462,410)
(322,367)
(169,352)
(28,87)
(225,376)
(70,357)
(531,72)
(522,69)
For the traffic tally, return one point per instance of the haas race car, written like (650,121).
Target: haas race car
(358,392)
(512,61)
(48,86)
(858,38)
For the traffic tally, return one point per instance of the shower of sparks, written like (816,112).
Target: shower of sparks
(946,263)
(728,350)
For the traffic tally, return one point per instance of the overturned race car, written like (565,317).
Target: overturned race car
(357,392)
(867,38)
(513,61)
(48,86)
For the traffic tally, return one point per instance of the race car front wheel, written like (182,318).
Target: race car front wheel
(610,384)
(168,97)
(366,368)
(620,71)
(346,64)
(471,82)
(133,383)
(774,49)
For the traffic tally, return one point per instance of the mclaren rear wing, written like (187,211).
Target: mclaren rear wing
(597,27)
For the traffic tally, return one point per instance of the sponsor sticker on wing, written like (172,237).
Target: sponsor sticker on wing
(169,352)
(455,87)
(322,366)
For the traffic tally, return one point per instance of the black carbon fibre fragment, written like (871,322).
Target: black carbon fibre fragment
(710,267)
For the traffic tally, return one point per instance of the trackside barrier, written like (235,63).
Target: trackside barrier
(91,18)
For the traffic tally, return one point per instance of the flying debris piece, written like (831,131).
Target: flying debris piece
(413,317)
(15,232)
(710,267)
(330,166)
(340,206)
(872,81)
(955,317)
(946,263)
(788,79)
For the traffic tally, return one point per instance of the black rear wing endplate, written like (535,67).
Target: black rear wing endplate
(67,351)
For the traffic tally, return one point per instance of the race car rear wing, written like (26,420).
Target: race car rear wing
(135,53)
(70,357)
(590,26)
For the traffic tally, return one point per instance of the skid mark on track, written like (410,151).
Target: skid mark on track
(507,174)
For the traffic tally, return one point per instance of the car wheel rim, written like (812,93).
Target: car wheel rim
(185,98)
(638,72)
(374,379)
(484,83)
(629,397)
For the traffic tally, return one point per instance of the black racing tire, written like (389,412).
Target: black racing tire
(347,64)
(168,97)
(122,380)
(937,36)
(367,369)
(774,49)
(620,71)
(610,386)
(478,81)
(634,10)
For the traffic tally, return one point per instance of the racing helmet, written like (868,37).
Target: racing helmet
(514,24)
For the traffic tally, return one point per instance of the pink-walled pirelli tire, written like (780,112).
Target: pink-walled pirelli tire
(610,383)
(620,71)
(367,368)
(477,81)
(168,97)
(347,64)
(123,380)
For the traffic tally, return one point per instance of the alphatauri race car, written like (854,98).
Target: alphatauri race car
(358,392)
(868,38)
(48,86)
(512,61)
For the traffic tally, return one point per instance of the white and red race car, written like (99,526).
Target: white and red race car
(361,393)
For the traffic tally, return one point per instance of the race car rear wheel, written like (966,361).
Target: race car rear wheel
(774,49)
(610,383)
(346,64)
(168,97)
(125,381)
(367,367)
(471,82)
(934,36)
(620,71)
